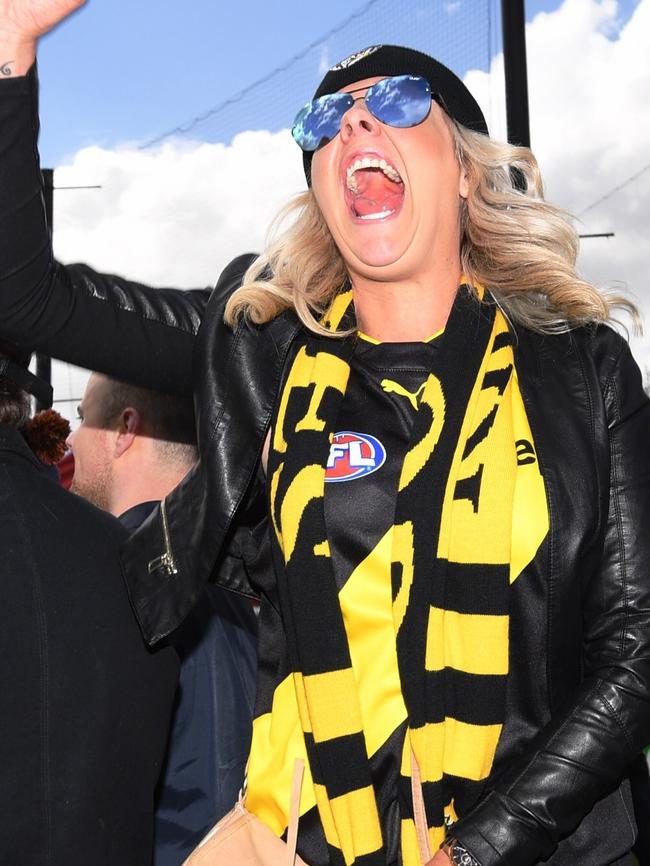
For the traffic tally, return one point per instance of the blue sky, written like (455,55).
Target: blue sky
(120,73)
(128,70)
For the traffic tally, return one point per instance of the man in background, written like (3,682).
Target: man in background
(132,447)
(84,704)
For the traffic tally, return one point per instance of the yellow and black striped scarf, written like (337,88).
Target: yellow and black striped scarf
(450,580)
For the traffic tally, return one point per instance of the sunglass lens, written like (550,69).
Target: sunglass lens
(320,120)
(401,101)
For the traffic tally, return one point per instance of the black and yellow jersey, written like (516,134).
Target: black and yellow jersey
(367,451)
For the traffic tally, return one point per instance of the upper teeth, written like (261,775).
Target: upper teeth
(370,162)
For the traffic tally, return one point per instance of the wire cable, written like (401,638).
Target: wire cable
(186,127)
(616,189)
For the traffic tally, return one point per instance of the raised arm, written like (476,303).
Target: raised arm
(22,23)
(98,321)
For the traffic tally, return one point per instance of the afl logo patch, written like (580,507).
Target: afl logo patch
(353,455)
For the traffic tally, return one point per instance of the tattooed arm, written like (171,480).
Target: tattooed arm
(72,312)
(16,57)
(22,23)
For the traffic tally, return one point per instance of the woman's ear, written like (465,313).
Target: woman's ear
(463,183)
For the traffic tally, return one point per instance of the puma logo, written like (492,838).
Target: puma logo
(391,387)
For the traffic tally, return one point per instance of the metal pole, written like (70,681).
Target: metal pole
(48,194)
(44,362)
(513,26)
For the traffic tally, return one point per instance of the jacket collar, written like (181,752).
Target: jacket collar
(11,439)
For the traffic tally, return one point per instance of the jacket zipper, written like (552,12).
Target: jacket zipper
(166,561)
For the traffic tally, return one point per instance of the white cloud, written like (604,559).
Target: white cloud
(590,130)
(176,215)
(173,216)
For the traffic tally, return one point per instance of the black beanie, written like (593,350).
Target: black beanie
(387,60)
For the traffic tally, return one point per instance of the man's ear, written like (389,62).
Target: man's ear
(128,428)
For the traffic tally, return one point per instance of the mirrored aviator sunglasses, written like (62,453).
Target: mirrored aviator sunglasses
(400,101)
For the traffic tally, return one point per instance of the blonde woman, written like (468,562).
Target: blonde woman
(420,448)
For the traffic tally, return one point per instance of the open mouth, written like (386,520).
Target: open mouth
(374,188)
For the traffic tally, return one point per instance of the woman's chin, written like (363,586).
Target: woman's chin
(377,262)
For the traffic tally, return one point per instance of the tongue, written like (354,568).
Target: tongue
(376,192)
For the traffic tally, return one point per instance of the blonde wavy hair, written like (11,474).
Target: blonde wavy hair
(512,241)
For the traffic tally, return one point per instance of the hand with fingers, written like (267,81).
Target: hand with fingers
(22,23)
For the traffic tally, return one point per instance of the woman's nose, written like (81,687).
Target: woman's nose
(357,120)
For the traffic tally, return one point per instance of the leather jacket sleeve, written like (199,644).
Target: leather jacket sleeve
(97,321)
(583,752)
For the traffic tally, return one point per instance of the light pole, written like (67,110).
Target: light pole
(513,29)
(44,362)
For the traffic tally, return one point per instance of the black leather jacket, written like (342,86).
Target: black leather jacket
(579,687)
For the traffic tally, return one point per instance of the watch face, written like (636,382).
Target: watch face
(458,854)
(461,857)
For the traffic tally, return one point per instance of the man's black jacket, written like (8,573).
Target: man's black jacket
(579,687)
(84,704)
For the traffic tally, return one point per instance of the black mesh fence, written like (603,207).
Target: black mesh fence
(463,35)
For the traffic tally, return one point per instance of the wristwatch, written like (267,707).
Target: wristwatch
(457,853)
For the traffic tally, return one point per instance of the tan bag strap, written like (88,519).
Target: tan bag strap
(294,811)
(419,812)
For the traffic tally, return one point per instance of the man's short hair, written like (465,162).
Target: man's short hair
(166,418)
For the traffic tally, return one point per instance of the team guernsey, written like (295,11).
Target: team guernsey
(405,500)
